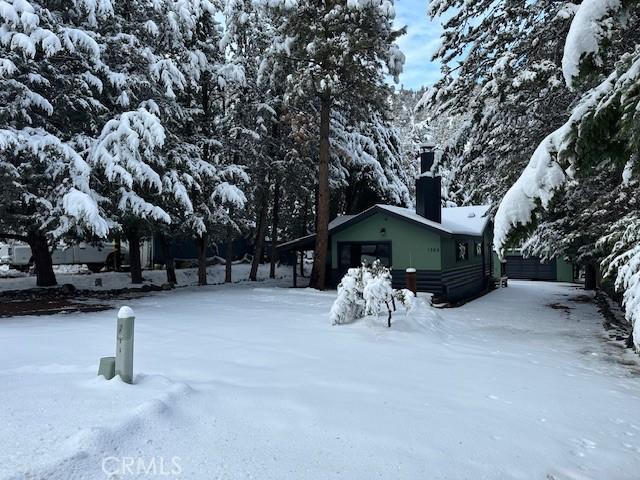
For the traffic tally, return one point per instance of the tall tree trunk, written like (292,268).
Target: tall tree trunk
(228,254)
(260,231)
(315,229)
(348,199)
(117,254)
(169,262)
(42,259)
(201,243)
(318,275)
(590,277)
(304,231)
(274,228)
(135,262)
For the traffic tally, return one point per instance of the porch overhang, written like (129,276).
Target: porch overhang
(301,244)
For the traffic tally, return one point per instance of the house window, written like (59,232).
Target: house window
(478,249)
(353,254)
(369,253)
(462,251)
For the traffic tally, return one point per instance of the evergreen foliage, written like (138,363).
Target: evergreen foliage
(551,90)
(191,120)
(336,54)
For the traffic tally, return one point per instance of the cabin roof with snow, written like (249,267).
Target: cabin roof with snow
(469,221)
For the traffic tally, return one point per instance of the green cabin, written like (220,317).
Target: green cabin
(450,248)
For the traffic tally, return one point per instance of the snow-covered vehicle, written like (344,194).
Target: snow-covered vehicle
(4,253)
(96,257)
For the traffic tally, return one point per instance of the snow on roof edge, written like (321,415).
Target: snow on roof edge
(453,220)
(467,220)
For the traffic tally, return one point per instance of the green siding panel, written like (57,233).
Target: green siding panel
(449,261)
(411,245)
(426,280)
(497,273)
(488,251)
(464,282)
(564,270)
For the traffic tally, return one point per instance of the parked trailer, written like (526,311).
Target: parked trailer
(96,257)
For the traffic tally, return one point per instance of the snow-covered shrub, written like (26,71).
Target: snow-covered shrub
(350,304)
(407,299)
(376,291)
(365,291)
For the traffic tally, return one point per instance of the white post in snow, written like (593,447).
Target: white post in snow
(124,345)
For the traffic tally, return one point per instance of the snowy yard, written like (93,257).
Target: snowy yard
(80,277)
(244,382)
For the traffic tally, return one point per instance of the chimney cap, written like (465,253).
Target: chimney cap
(427,146)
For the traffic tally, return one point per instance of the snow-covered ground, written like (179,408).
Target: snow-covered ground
(240,382)
(82,278)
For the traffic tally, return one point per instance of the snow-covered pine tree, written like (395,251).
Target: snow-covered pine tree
(412,128)
(604,117)
(367,161)
(49,104)
(337,52)
(128,155)
(623,263)
(197,119)
(578,215)
(598,142)
(502,72)
(296,167)
(160,160)
(251,114)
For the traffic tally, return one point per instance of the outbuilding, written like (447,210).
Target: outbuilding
(519,267)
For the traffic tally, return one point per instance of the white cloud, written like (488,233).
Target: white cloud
(419,44)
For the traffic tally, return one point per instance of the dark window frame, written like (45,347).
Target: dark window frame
(466,251)
(342,269)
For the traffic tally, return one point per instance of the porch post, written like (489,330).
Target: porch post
(295,269)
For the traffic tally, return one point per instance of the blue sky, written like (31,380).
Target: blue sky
(419,44)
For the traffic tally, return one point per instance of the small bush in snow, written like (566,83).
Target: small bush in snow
(376,291)
(407,299)
(367,291)
(349,305)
